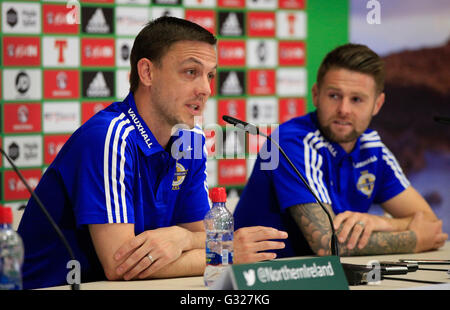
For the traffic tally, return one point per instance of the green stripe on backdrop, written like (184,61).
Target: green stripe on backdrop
(328,24)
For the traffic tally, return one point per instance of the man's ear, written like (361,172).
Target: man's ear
(315,94)
(378,104)
(144,69)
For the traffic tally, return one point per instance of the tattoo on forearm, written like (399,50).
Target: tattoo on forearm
(381,242)
(314,224)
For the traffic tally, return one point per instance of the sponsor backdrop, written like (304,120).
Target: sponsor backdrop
(63,61)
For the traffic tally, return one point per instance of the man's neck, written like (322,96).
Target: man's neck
(348,146)
(160,129)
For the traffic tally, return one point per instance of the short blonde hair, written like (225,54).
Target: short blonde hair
(354,57)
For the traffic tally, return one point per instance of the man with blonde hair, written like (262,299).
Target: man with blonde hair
(346,165)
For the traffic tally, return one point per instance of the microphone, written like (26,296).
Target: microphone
(442,119)
(248,127)
(74,286)
(254,130)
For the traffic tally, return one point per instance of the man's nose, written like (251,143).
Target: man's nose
(203,87)
(344,107)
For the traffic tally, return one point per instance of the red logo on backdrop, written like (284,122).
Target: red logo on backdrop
(97,52)
(261,82)
(210,141)
(14,188)
(231,3)
(290,108)
(232,107)
(292,4)
(231,53)
(232,171)
(58,19)
(291,19)
(261,24)
(52,145)
(23,51)
(205,18)
(61,46)
(89,109)
(291,53)
(255,142)
(23,117)
(61,84)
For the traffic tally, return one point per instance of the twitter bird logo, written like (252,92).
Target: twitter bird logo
(250,277)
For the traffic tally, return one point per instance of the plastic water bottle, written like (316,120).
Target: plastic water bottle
(11,253)
(219,226)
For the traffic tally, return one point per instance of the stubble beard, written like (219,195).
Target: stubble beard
(331,136)
(165,113)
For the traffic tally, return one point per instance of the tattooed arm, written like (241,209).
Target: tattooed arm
(314,224)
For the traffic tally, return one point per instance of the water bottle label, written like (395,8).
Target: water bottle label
(10,286)
(10,276)
(213,258)
(10,283)
(229,258)
(225,257)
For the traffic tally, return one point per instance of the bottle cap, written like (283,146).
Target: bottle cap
(5,215)
(218,194)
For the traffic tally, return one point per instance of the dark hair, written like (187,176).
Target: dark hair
(158,35)
(354,57)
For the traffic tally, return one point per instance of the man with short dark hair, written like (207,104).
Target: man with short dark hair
(346,165)
(128,196)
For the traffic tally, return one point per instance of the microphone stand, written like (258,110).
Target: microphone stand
(74,286)
(254,130)
(334,243)
(355,274)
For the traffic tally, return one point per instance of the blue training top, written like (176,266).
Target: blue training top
(347,181)
(111,170)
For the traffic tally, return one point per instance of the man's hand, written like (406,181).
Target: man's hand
(250,241)
(165,245)
(429,233)
(358,227)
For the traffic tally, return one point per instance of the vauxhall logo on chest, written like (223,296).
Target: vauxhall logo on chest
(139,127)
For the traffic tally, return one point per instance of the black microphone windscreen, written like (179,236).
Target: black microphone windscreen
(442,119)
(230,120)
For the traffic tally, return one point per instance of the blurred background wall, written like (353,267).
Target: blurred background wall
(413,37)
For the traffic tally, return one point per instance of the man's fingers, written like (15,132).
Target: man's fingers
(345,221)
(143,264)
(347,227)
(354,237)
(259,233)
(341,217)
(139,264)
(132,261)
(250,242)
(129,247)
(441,239)
(157,264)
(267,245)
(364,239)
(256,257)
